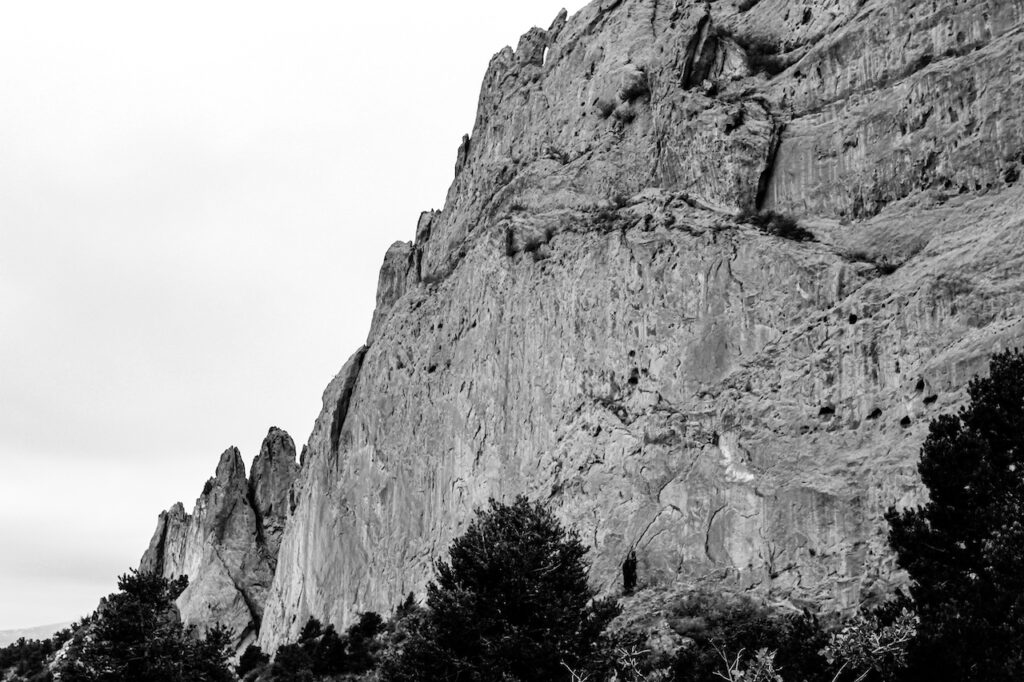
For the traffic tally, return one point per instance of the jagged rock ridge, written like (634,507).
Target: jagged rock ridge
(229,545)
(585,321)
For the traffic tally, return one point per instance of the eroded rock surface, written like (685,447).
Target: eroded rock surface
(586,321)
(228,546)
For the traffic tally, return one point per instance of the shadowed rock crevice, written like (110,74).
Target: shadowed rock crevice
(345,398)
(765,178)
(699,51)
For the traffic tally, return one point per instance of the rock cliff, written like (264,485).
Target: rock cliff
(586,320)
(228,546)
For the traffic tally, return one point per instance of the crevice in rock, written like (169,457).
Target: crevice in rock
(250,605)
(769,164)
(696,42)
(250,494)
(341,409)
(707,534)
(161,548)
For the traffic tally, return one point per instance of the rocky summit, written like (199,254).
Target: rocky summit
(594,318)
(228,546)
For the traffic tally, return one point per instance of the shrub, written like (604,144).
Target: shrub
(963,549)
(759,668)
(777,224)
(886,267)
(869,648)
(292,663)
(764,55)
(719,624)
(251,659)
(512,603)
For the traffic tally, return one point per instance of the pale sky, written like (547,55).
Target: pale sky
(195,199)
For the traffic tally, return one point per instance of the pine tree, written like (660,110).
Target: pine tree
(251,659)
(512,603)
(137,635)
(964,549)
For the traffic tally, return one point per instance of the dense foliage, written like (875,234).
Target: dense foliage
(136,634)
(964,549)
(733,626)
(512,603)
(28,659)
(320,653)
(252,659)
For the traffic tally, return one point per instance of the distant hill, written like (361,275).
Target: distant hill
(38,632)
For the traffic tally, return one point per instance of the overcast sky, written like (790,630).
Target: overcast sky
(195,198)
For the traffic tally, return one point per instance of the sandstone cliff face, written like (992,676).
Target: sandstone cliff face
(228,546)
(587,323)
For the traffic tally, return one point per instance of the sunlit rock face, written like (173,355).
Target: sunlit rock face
(586,321)
(228,546)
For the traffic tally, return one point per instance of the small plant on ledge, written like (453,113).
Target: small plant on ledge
(777,224)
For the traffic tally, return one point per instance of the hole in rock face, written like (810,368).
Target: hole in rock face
(826,410)
(634,377)
(808,15)
(875,413)
(931,399)
(853,319)
(431,369)
(905,422)
(920,385)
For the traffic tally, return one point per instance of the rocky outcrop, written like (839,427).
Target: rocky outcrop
(228,546)
(270,490)
(586,322)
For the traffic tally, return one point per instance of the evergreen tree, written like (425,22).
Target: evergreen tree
(361,642)
(137,635)
(292,664)
(512,603)
(251,659)
(964,549)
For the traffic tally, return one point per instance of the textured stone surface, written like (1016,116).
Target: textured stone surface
(228,545)
(586,322)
